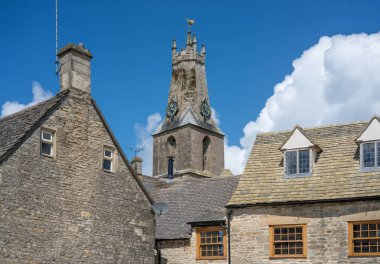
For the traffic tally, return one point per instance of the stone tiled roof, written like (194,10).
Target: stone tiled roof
(190,200)
(15,128)
(336,174)
(188,117)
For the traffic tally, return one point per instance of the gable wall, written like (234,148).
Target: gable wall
(326,231)
(67,209)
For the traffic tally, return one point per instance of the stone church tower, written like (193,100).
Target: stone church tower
(188,141)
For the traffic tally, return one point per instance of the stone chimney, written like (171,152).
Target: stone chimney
(75,67)
(137,165)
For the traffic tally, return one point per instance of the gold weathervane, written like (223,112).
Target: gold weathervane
(190,22)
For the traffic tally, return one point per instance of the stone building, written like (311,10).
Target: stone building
(67,191)
(310,196)
(188,168)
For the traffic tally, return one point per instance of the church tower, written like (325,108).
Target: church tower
(188,141)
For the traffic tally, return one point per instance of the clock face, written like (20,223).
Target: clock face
(171,109)
(205,110)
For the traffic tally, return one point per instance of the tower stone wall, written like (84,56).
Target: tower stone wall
(188,119)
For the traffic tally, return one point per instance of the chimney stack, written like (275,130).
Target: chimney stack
(75,67)
(137,165)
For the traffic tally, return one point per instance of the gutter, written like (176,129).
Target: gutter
(333,200)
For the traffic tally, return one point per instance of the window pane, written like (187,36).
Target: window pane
(285,238)
(304,161)
(368,155)
(107,153)
(47,136)
(378,154)
(291,162)
(46,148)
(107,165)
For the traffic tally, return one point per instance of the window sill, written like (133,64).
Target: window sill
(369,169)
(299,175)
(288,257)
(47,156)
(108,171)
(211,258)
(364,256)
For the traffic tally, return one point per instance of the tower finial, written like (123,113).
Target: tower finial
(190,22)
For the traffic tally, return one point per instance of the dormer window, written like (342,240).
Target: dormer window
(297,161)
(299,153)
(369,141)
(370,154)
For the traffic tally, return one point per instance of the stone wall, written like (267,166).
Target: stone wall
(189,151)
(67,209)
(327,240)
(183,252)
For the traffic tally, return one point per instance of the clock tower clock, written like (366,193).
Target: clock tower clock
(188,142)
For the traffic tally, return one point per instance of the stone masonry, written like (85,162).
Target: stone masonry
(184,252)
(327,241)
(66,209)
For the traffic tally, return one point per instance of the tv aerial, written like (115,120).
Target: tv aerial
(160,208)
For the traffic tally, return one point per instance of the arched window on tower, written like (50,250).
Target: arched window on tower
(171,151)
(206,144)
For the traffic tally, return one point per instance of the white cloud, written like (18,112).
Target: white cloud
(39,95)
(144,136)
(335,81)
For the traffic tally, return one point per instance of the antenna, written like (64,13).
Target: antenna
(57,65)
(136,150)
(160,208)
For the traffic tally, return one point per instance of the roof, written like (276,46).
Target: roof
(336,168)
(190,200)
(15,128)
(188,117)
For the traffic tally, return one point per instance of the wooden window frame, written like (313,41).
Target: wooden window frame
(112,159)
(198,238)
(351,239)
(50,142)
(271,241)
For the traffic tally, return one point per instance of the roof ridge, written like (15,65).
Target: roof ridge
(314,127)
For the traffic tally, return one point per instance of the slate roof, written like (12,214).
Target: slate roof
(15,128)
(190,200)
(336,174)
(188,117)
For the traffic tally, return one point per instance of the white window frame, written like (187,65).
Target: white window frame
(376,167)
(311,163)
(47,141)
(112,158)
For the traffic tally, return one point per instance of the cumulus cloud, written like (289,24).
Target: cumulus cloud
(145,139)
(335,81)
(39,95)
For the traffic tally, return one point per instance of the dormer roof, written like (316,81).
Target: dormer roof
(298,140)
(371,132)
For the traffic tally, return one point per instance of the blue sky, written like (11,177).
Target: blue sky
(250,45)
